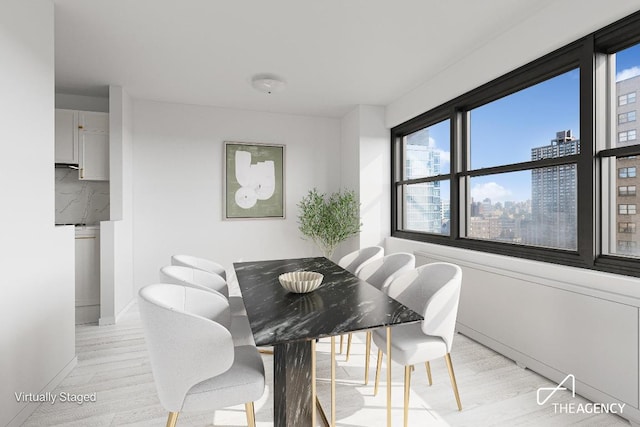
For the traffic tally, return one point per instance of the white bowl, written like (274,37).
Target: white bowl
(301,282)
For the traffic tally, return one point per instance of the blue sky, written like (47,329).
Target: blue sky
(504,131)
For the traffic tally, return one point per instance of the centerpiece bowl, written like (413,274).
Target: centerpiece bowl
(300,282)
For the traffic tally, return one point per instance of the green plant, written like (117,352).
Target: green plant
(329,221)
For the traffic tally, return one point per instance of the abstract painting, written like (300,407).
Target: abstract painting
(254,180)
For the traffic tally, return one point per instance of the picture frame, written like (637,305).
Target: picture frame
(253,181)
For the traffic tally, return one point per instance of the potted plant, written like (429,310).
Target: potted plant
(329,220)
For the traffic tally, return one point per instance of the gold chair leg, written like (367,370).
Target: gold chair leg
(407,387)
(349,346)
(173,418)
(251,414)
(366,358)
(453,380)
(333,381)
(378,366)
(265,351)
(341,340)
(388,376)
(314,394)
(428,366)
(323,416)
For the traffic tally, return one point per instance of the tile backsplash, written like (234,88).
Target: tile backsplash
(80,202)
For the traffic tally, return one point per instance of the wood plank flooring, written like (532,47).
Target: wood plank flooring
(113,362)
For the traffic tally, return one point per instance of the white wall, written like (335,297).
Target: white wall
(116,243)
(177,175)
(349,168)
(559,23)
(365,162)
(375,176)
(37,338)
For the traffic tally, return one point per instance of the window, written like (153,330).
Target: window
(627,98)
(629,172)
(628,135)
(627,117)
(531,173)
(627,190)
(626,227)
(426,195)
(627,209)
(627,246)
(535,206)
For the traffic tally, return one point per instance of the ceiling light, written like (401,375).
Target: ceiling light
(268,83)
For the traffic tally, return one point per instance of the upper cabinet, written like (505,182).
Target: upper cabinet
(93,143)
(82,138)
(66,136)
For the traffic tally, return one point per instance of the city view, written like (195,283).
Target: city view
(536,206)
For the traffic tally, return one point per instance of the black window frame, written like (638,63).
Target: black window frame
(581,54)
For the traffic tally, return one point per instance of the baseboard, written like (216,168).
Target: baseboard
(29,408)
(109,320)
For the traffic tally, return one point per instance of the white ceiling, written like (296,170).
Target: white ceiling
(334,54)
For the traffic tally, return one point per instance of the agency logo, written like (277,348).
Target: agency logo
(544,394)
(554,390)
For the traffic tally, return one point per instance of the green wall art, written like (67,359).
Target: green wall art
(254,180)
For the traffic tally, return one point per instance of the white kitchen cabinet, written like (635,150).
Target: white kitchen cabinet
(82,138)
(91,121)
(87,274)
(66,136)
(94,156)
(93,142)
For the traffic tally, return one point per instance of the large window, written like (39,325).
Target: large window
(528,172)
(537,205)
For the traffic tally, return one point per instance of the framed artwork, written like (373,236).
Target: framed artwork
(253,180)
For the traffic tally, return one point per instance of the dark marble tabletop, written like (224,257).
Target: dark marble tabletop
(343,303)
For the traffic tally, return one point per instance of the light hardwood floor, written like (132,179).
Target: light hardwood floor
(113,362)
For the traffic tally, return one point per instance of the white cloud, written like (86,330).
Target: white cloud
(627,73)
(445,157)
(490,190)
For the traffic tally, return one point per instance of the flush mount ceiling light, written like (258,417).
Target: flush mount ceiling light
(268,83)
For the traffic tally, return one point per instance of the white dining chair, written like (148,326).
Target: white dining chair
(432,290)
(380,273)
(353,263)
(200,279)
(196,278)
(200,264)
(194,362)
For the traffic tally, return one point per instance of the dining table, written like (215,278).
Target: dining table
(292,323)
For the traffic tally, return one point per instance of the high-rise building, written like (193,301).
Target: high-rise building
(554,195)
(627,180)
(423,208)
